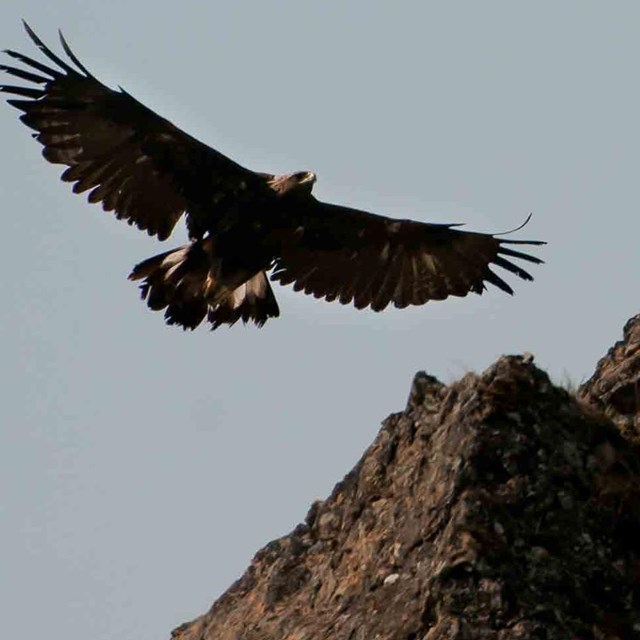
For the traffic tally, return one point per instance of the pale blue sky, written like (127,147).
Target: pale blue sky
(141,467)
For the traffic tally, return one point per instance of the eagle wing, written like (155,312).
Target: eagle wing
(344,254)
(133,161)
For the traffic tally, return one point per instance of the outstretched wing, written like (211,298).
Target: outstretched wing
(134,162)
(354,256)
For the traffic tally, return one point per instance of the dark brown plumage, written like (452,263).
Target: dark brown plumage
(241,223)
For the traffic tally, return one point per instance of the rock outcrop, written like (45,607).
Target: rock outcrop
(497,507)
(614,388)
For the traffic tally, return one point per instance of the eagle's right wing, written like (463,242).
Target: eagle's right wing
(133,161)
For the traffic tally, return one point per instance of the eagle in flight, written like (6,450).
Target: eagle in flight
(242,224)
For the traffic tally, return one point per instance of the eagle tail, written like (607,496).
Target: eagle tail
(186,283)
(251,301)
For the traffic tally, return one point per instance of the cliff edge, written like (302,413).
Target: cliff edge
(500,506)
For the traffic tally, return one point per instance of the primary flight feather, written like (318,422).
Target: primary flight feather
(241,223)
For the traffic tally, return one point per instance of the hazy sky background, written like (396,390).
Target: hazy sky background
(141,467)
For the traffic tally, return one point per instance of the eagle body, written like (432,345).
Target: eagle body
(242,224)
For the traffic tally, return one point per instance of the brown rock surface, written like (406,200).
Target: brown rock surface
(498,507)
(615,386)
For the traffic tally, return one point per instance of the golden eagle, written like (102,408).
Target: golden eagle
(241,223)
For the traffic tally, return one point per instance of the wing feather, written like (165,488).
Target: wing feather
(383,294)
(48,71)
(509,266)
(518,254)
(23,74)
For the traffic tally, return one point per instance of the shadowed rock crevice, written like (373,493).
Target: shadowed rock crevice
(497,507)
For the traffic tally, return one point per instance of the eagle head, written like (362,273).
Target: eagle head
(298,183)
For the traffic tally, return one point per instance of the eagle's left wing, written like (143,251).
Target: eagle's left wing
(334,252)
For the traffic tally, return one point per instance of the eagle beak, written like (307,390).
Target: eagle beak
(310,177)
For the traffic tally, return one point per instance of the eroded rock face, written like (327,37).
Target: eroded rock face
(498,507)
(615,386)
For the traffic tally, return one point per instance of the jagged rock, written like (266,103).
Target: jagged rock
(498,507)
(615,386)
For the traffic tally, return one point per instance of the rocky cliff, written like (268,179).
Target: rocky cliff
(499,507)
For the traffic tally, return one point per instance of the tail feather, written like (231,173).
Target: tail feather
(186,283)
(252,301)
